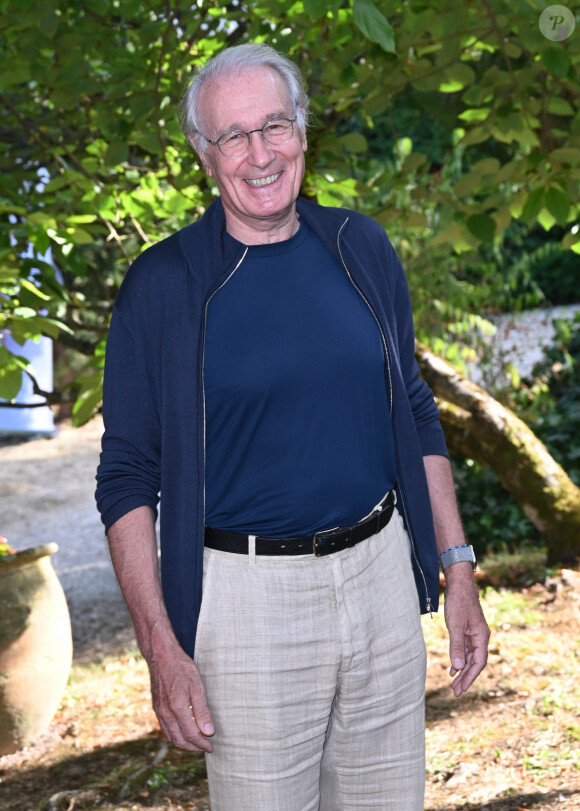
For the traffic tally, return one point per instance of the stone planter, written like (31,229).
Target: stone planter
(35,645)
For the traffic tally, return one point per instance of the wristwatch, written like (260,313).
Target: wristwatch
(457,554)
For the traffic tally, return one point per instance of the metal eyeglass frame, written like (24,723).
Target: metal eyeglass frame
(248,134)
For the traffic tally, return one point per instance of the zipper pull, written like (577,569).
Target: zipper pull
(428,606)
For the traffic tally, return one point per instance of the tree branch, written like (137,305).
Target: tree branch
(80,345)
(479,426)
(50,397)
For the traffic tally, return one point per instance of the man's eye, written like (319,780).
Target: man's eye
(275,126)
(232,138)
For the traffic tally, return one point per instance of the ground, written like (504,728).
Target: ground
(512,743)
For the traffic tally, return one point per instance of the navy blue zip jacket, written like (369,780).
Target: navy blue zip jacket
(153,394)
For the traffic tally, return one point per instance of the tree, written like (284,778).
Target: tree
(94,167)
(478,426)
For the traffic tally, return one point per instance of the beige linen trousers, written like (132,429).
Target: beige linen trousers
(314,669)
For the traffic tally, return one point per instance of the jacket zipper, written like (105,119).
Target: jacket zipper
(359,291)
(205,308)
(391,407)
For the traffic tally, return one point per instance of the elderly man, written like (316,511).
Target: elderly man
(260,375)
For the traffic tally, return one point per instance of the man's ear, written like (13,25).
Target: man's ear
(302,132)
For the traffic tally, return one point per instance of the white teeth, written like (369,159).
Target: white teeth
(264,181)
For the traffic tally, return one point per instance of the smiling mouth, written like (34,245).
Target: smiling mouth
(264,181)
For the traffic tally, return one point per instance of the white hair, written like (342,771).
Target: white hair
(232,61)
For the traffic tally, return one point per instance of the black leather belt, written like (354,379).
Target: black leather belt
(321,543)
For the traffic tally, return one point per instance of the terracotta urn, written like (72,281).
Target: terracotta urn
(35,645)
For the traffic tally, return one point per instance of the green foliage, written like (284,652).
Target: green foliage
(526,269)
(518,569)
(11,368)
(446,122)
(373,24)
(509,609)
(550,400)
(493,521)
(555,272)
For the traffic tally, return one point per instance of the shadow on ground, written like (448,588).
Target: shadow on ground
(565,799)
(141,774)
(441,704)
(147,774)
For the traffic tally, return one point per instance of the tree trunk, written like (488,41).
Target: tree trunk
(478,426)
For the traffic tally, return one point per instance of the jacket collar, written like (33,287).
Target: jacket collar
(324,221)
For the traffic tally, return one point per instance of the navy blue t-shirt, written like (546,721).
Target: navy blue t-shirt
(298,432)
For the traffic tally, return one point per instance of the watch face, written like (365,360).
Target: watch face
(473,558)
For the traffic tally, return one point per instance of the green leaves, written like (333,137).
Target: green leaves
(89,398)
(374,25)
(557,61)
(117,152)
(482,226)
(554,201)
(34,291)
(558,205)
(559,106)
(318,8)
(354,142)
(11,367)
(533,205)
(475,114)
(422,118)
(456,77)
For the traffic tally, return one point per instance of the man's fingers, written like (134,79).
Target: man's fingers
(182,731)
(201,711)
(204,720)
(456,666)
(468,634)
(194,721)
(457,648)
(464,680)
(198,741)
(475,661)
(183,715)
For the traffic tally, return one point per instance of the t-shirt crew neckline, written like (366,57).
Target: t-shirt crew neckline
(276,248)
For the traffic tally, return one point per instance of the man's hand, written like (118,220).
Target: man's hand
(468,630)
(176,686)
(180,703)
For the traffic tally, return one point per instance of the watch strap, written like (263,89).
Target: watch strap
(458,554)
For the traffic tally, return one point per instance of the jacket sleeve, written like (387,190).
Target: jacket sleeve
(128,475)
(423,406)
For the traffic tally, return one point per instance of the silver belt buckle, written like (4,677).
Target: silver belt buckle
(317,535)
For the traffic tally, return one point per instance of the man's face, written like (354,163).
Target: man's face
(245,102)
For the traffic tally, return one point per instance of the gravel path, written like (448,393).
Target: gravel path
(46,494)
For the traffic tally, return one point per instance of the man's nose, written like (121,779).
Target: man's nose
(260,152)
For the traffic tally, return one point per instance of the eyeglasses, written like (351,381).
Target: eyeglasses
(235,144)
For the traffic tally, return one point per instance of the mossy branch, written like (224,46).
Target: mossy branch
(478,426)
